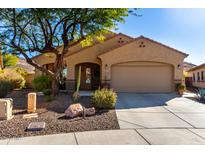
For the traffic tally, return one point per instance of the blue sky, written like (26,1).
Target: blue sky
(183,29)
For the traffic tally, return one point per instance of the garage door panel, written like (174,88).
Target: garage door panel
(142,78)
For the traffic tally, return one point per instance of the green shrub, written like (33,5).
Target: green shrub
(181,87)
(104,98)
(21,71)
(47,92)
(11,76)
(10,60)
(5,87)
(42,82)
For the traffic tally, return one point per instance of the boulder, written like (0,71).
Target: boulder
(89,111)
(74,110)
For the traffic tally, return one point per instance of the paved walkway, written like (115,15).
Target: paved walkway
(116,137)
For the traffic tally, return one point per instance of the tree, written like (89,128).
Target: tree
(28,31)
(9,60)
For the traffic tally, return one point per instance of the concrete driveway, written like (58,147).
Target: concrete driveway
(159,111)
(162,118)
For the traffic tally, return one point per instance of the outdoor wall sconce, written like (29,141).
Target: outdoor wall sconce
(106,68)
(178,66)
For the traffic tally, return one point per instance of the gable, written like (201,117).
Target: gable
(101,47)
(151,43)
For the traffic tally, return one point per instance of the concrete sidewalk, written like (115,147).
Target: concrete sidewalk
(116,137)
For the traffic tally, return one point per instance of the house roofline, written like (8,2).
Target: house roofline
(196,67)
(142,37)
(115,35)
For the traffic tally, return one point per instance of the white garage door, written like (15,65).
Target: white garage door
(142,77)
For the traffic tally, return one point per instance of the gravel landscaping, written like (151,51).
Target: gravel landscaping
(52,113)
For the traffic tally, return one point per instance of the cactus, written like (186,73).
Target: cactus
(76,95)
(78,80)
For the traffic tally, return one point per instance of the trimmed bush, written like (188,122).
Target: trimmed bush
(5,87)
(42,82)
(104,98)
(11,76)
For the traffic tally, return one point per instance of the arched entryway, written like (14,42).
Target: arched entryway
(90,76)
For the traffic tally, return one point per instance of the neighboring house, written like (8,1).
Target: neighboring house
(28,68)
(188,80)
(198,76)
(124,63)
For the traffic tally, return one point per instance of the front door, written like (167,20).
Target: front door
(90,76)
(85,82)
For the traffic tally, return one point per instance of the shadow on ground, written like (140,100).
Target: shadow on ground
(142,100)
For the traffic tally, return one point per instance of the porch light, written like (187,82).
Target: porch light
(106,68)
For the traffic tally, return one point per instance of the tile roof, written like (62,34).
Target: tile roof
(197,67)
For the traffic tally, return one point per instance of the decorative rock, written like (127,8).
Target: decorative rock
(28,116)
(31,103)
(6,107)
(89,111)
(36,126)
(74,110)
(40,94)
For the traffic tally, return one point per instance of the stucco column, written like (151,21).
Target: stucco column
(105,73)
(178,74)
(70,83)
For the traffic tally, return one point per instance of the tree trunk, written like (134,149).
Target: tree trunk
(55,87)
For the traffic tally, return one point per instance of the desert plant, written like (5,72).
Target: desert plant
(5,87)
(21,71)
(10,60)
(104,98)
(42,82)
(181,87)
(11,76)
(76,95)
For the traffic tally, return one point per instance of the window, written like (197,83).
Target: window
(198,76)
(88,75)
(202,75)
(64,73)
(194,79)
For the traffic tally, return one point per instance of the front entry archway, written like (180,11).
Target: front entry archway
(90,76)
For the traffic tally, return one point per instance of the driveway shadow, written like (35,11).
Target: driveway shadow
(143,100)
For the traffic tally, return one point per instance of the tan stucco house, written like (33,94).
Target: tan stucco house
(198,76)
(123,63)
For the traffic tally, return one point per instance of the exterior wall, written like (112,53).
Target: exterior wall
(29,79)
(152,52)
(196,83)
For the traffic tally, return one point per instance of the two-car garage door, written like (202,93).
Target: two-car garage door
(142,77)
